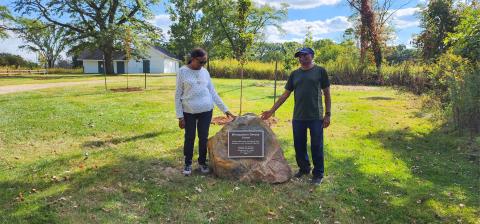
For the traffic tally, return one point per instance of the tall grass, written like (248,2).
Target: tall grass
(342,71)
(230,68)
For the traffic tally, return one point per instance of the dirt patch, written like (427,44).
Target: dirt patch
(131,89)
(222,120)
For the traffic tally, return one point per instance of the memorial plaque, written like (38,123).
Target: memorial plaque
(246,144)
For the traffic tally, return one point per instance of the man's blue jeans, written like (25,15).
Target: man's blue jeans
(300,142)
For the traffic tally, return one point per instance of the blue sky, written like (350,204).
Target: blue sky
(325,19)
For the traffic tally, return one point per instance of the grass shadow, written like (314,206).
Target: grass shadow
(116,141)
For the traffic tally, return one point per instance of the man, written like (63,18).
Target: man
(308,82)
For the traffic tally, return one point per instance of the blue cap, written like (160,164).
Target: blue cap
(305,50)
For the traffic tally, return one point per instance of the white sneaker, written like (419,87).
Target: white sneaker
(204,169)
(187,170)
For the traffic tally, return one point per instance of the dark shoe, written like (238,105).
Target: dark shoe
(301,173)
(317,180)
(187,170)
(204,169)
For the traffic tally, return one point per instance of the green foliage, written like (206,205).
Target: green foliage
(4,17)
(466,37)
(15,61)
(186,31)
(438,19)
(456,84)
(96,24)
(308,42)
(48,41)
(400,53)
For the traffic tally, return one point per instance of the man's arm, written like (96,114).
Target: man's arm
(328,106)
(280,101)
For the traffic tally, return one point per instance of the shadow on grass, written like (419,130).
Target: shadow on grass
(115,141)
(378,98)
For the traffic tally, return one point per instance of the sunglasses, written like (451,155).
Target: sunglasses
(201,62)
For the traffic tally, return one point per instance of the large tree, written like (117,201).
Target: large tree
(47,41)
(186,30)
(98,24)
(4,17)
(438,19)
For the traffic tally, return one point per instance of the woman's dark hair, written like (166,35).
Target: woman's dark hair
(196,52)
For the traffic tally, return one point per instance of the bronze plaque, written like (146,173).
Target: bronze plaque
(246,144)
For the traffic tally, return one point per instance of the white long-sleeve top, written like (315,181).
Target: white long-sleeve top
(195,92)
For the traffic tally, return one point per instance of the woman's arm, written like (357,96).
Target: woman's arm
(178,96)
(216,98)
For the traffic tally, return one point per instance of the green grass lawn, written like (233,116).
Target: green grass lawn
(83,155)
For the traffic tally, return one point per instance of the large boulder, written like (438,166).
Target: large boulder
(272,168)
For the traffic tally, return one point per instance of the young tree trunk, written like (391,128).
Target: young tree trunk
(241,87)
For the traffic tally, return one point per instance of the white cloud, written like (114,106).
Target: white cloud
(297,29)
(406,12)
(163,22)
(405,18)
(402,24)
(298,4)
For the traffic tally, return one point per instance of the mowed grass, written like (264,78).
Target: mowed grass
(55,78)
(83,155)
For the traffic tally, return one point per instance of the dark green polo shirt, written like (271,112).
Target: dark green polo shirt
(307,86)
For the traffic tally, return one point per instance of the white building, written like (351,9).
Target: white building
(157,60)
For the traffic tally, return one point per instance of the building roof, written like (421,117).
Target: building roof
(98,55)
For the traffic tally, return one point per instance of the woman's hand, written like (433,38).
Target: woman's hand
(230,115)
(181,123)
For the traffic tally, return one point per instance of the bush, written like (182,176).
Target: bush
(456,84)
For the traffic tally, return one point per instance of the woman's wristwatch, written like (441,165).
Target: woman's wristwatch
(328,114)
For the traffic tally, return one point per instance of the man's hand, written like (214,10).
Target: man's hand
(267,114)
(326,121)
(230,115)
(181,123)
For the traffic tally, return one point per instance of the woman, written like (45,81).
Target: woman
(194,101)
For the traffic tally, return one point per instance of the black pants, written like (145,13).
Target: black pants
(193,122)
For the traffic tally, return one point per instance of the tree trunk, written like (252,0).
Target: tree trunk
(50,63)
(368,20)
(241,87)
(108,54)
(363,43)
